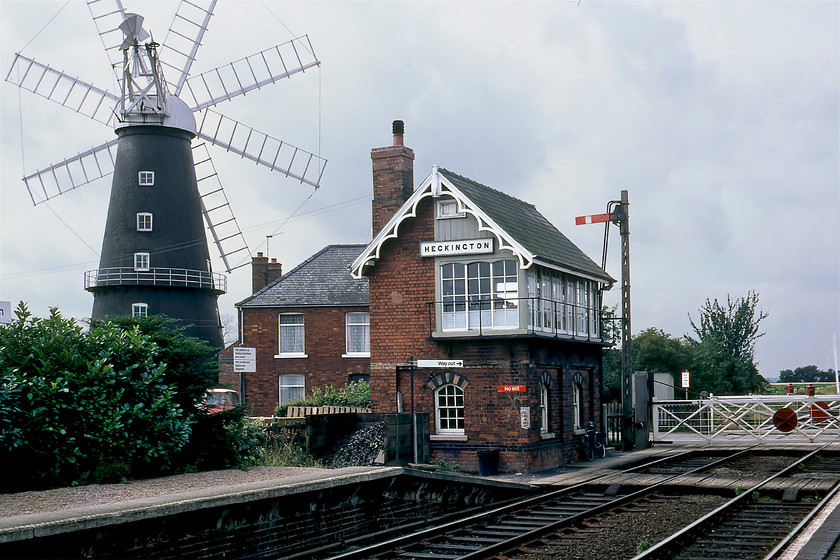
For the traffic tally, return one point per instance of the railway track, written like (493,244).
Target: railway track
(571,513)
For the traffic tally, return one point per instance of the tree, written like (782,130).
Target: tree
(724,350)
(82,407)
(654,350)
(806,374)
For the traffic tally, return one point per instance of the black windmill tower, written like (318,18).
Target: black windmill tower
(165,189)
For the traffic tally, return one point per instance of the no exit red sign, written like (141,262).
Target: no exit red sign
(511,388)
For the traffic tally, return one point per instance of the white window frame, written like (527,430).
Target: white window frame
(146,178)
(544,396)
(450,411)
(291,387)
(356,323)
(577,406)
(141,262)
(144,221)
(472,299)
(139,309)
(299,350)
(447,209)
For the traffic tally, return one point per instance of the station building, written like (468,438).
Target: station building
(480,313)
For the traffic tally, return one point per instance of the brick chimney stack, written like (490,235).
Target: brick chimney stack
(264,272)
(393,178)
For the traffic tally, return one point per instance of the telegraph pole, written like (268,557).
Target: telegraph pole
(618,212)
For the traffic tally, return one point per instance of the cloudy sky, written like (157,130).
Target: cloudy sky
(720,118)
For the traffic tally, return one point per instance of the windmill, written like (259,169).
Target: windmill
(155,257)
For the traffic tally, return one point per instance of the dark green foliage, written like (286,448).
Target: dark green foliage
(724,351)
(84,407)
(799,375)
(356,393)
(122,400)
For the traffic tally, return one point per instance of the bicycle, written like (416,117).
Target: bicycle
(592,443)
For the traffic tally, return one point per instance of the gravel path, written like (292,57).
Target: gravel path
(22,503)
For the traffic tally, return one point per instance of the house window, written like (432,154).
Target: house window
(449,209)
(292,387)
(141,261)
(291,334)
(146,178)
(357,330)
(144,221)
(139,309)
(449,409)
(479,295)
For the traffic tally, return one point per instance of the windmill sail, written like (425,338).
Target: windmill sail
(183,39)
(218,215)
(107,16)
(251,72)
(61,88)
(72,172)
(261,148)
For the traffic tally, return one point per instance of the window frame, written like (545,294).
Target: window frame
(146,217)
(146,178)
(577,405)
(479,295)
(442,206)
(545,395)
(457,393)
(142,262)
(299,350)
(281,387)
(140,309)
(349,337)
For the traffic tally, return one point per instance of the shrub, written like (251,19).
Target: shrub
(355,393)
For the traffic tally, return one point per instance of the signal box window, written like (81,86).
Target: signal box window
(146,178)
(449,409)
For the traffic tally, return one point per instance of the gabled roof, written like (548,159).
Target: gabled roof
(321,280)
(517,226)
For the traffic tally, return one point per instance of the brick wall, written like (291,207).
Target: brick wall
(324,335)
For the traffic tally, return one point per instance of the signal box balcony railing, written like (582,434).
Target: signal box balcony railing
(168,277)
(532,316)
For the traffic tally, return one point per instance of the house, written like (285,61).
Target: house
(467,305)
(310,328)
(505,308)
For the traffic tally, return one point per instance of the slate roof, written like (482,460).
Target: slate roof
(321,280)
(527,226)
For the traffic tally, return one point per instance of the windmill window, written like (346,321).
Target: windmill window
(146,178)
(141,261)
(139,309)
(144,221)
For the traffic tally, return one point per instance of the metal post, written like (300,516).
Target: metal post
(628,431)
(413,418)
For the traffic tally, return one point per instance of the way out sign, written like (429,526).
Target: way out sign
(244,359)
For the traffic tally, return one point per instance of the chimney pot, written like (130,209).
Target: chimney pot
(398,129)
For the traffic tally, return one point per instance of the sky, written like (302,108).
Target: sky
(720,119)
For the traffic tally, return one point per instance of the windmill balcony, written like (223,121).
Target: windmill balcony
(514,317)
(166,277)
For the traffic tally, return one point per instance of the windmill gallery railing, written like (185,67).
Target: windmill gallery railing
(760,418)
(172,277)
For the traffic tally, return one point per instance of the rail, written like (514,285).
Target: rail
(811,418)
(486,316)
(169,277)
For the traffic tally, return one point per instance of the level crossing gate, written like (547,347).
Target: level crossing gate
(761,418)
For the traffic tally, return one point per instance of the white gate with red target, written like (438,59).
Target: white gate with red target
(760,418)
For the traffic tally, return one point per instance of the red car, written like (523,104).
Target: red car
(218,400)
